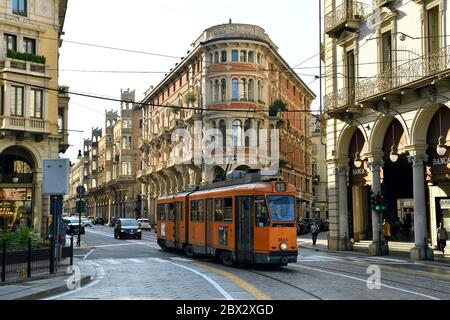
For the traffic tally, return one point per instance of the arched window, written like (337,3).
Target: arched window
(235,55)
(245,90)
(223,57)
(237,133)
(216,91)
(235,89)
(251,90)
(251,56)
(211,91)
(247,127)
(243,57)
(260,91)
(223,131)
(224,90)
(216,57)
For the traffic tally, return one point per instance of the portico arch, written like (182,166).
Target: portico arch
(376,139)
(421,123)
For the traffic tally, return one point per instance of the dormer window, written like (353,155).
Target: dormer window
(19,7)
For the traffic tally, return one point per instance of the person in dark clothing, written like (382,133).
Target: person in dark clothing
(315,229)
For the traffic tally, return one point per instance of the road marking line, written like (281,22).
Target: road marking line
(136,260)
(222,291)
(113,245)
(255,292)
(364,280)
(158,260)
(181,259)
(87,255)
(111,261)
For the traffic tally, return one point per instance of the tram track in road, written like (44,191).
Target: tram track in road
(285,283)
(389,269)
(358,277)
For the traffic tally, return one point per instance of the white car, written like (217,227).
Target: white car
(87,222)
(144,224)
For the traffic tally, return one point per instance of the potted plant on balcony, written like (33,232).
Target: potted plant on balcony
(276,107)
(190,98)
(25,56)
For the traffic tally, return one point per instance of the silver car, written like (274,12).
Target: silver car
(144,224)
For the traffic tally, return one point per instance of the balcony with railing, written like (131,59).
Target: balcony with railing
(22,66)
(150,170)
(382,3)
(412,74)
(339,101)
(346,16)
(24,124)
(160,166)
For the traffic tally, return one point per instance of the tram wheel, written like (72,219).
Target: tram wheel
(227,259)
(163,245)
(189,251)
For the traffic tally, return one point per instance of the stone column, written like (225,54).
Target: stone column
(421,251)
(38,211)
(377,247)
(344,241)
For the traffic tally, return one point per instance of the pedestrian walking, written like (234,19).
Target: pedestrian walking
(442,237)
(386,231)
(315,229)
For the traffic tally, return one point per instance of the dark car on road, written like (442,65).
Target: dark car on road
(73,225)
(303,226)
(127,228)
(99,221)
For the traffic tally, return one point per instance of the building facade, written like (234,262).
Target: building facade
(222,89)
(388,130)
(319,205)
(33,108)
(111,160)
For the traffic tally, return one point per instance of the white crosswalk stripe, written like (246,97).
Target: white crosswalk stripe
(181,259)
(136,261)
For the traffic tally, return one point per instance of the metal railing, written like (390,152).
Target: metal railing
(20,65)
(342,98)
(21,259)
(348,10)
(407,73)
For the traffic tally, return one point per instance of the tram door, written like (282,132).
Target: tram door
(178,222)
(209,226)
(245,227)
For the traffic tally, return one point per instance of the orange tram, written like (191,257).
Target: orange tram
(238,222)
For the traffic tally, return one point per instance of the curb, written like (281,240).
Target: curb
(53,291)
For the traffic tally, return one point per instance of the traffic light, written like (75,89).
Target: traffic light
(377,202)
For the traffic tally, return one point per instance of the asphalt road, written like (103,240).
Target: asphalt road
(138,269)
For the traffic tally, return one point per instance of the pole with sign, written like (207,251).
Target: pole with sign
(80,208)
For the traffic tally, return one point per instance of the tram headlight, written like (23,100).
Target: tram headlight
(284,247)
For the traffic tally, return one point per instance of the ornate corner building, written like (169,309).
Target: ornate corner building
(225,85)
(33,108)
(388,130)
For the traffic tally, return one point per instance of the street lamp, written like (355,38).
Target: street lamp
(441,148)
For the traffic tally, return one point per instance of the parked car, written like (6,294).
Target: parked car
(73,225)
(99,220)
(303,226)
(144,224)
(323,224)
(127,228)
(87,222)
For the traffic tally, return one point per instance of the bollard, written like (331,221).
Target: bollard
(4,261)
(29,259)
(52,255)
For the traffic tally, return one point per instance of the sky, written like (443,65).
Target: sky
(166,28)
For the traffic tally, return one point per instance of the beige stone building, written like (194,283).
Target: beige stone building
(387,98)
(319,204)
(33,108)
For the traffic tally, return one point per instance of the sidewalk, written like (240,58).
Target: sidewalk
(397,249)
(45,286)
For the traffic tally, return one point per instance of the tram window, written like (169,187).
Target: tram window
(194,210)
(218,214)
(201,211)
(161,211)
(179,210)
(262,215)
(228,209)
(171,211)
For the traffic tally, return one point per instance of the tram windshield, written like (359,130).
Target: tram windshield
(282,208)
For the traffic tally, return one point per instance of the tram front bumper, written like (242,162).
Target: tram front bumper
(276,257)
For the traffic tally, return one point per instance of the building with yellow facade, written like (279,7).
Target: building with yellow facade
(33,107)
